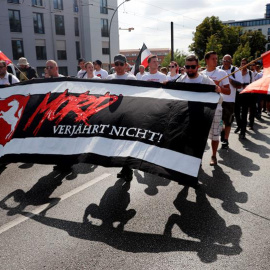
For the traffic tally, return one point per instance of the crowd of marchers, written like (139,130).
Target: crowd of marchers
(229,80)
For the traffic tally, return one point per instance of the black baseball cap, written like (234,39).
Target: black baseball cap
(120,58)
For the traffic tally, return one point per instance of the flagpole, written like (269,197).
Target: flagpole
(240,68)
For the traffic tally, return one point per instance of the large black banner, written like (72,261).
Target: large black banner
(156,128)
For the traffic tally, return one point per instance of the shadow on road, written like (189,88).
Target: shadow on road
(152,181)
(261,150)
(237,162)
(198,220)
(201,221)
(221,187)
(112,207)
(40,193)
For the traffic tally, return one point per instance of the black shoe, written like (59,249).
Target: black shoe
(242,136)
(222,134)
(237,129)
(225,144)
(126,173)
(251,128)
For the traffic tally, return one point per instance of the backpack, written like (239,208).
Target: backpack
(250,76)
(232,70)
(10,79)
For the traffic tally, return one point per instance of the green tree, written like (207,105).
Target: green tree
(214,45)
(225,39)
(242,52)
(179,57)
(257,42)
(210,26)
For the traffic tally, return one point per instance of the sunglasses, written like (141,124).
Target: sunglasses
(49,67)
(119,64)
(226,61)
(171,66)
(190,66)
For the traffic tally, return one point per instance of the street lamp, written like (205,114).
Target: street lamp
(110,32)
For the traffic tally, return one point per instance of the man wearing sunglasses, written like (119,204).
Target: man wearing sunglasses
(120,65)
(154,75)
(52,69)
(193,76)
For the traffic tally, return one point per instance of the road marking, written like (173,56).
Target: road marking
(42,207)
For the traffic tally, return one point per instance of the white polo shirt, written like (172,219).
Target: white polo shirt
(5,81)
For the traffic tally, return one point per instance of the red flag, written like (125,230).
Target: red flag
(141,59)
(5,58)
(261,86)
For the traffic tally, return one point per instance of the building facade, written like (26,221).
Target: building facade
(261,24)
(132,54)
(61,30)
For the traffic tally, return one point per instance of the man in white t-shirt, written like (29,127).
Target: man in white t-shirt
(216,74)
(81,73)
(141,72)
(120,63)
(229,100)
(193,76)
(100,72)
(245,102)
(154,75)
(5,77)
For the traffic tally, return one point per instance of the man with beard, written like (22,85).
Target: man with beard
(193,76)
(26,72)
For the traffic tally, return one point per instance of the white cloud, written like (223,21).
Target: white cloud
(151,19)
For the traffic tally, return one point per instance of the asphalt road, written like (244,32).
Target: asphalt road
(89,219)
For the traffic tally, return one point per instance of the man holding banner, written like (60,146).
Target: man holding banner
(192,76)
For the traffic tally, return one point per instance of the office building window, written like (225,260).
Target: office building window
(105,47)
(41,49)
(38,23)
(40,72)
(38,3)
(58,4)
(104,28)
(59,25)
(13,1)
(75,6)
(103,7)
(17,49)
(78,50)
(15,20)
(76,26)
(61,50)
(63,71)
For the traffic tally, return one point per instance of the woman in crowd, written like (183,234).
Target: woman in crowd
(89,74)
(174,71)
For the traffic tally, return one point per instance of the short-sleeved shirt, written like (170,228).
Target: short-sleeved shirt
(102,73)
(157,77)
(5,80)
(237,77)
(126,76)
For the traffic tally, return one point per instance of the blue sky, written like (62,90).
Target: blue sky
(151,19)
